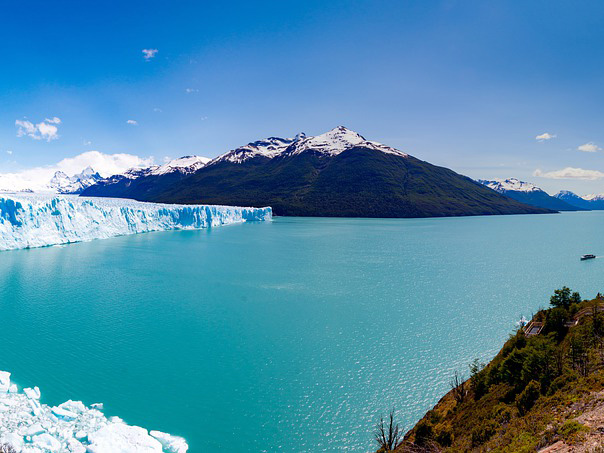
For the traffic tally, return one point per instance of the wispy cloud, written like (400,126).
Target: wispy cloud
(157,110)
(148,54)
(45,130)
(191,90)
(545,136)
(570,173)
(9,152)
(590,147)
(132,122)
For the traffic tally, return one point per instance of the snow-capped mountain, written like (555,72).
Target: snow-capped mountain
(147,180)
(504,185)
(594,197)
(338,173)
(185,164)
(330,143)
(61,183)
(337,141)
(593,201)
(269,148)
(528,193)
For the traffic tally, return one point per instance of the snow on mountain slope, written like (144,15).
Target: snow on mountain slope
(330,143)
(30,426)
(594,197)
(503,185)
(185,164)
(61,183)
(336,141)
(270,147)
(28,220)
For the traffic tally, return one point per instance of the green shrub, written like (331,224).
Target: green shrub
(502,413)
(528,397)
(571,430)
(424,433)
(483,432)
(445,438)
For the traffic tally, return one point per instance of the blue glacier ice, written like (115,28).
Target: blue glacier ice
(31,220)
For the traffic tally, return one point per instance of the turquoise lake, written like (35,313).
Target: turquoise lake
(292,335)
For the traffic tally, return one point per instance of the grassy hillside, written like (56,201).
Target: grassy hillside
(541,392)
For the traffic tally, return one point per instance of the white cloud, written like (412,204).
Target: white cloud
(157,109)
(590,147)
(9,152)
(132,122)
(106,164)
(45,130)
(191,90)
(149,53)
(545,136)
(570,173)
(86,143)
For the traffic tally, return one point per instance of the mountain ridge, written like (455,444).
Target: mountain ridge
(528,193)
(335,174)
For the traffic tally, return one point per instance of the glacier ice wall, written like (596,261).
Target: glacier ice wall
(28,220)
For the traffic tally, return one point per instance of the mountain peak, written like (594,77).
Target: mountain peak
(513,184)
(185,164)
(337,140)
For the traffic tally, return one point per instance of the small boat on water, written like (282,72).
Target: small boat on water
(587,257)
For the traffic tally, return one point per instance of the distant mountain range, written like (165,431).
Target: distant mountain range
(60,182)
(594,201)
(338,173)
(530,194)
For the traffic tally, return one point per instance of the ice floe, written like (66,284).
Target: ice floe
(71,427)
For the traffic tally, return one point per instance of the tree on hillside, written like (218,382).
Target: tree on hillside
(562,298)
(458,387)
(387,434)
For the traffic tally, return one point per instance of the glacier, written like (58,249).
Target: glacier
(35,220)
(29,426)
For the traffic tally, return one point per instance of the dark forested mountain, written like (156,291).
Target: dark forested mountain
(338,173)
(528,193)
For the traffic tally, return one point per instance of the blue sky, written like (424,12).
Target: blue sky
(464,84)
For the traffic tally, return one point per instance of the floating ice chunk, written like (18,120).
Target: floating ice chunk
(34,429)
(173,444)
(98,406)
(63,414)
(120,438)
(13,388)
(73,406)
(71,427)
(4,381)
(75,446)
(14,440)
(46,442)
(32,394)
(35,406)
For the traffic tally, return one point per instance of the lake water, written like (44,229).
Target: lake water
(293,335)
